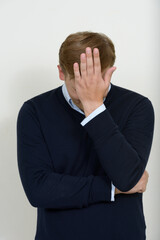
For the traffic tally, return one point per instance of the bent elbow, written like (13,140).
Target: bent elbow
(125,184)
(125,188)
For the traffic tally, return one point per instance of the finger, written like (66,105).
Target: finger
(83,65)
(97,63)
(76,71)
(89,61)
(110,71)
(147,174)
(140,191)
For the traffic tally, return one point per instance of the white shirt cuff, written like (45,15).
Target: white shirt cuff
(113,192)
(93,114)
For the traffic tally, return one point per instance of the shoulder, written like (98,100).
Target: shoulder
(39,105)
(43,99)
(132,104)
(129,97)
(126,92)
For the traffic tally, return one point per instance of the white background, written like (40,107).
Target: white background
(31,33)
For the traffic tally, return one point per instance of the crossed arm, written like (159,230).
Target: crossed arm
(43,186)
(141,185)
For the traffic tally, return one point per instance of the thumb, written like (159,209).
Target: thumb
(109,73)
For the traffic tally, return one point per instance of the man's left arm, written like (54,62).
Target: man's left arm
(86,120)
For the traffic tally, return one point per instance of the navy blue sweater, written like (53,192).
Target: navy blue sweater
(66,169)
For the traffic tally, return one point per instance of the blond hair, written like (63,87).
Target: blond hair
(76,43)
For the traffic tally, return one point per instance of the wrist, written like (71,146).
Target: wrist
(90,107)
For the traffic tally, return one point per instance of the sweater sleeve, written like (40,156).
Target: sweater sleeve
(43,186)
(85,121)
(123,154)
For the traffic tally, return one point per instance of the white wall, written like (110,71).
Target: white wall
(31,34)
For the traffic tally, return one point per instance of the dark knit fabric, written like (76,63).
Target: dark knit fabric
(66,169)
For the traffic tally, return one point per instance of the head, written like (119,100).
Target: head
(70,51)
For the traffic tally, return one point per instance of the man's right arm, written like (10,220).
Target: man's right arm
(42,185)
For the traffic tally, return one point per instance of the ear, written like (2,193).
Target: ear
(61,74)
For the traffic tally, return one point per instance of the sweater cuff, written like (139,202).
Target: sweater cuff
(100,127)
(100,190)
(93,114)
(113,192)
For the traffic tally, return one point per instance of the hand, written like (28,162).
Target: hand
(90,86)
(139,187)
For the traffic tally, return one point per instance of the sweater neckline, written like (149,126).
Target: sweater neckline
(62,99)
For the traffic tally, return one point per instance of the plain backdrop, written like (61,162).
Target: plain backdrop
(31,33)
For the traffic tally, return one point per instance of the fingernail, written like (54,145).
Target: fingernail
(88,50)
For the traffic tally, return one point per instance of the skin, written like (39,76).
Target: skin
(87,91)
(90,86)
(70,84)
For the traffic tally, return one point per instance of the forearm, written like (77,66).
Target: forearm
(123,155)
(59,191)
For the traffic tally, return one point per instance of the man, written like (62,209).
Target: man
(83,148)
